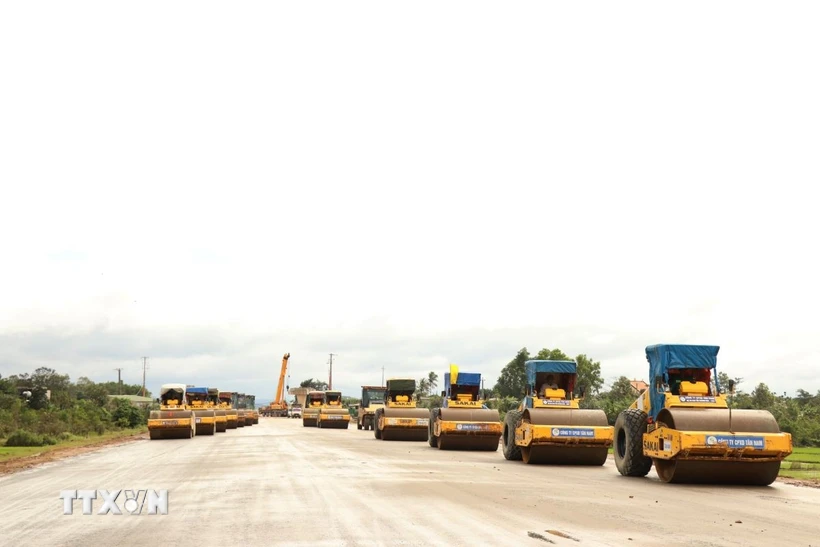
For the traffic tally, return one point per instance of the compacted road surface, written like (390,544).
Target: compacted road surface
(278,483)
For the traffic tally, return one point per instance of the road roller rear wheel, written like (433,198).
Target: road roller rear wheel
(628,450)
(511,450)
(376,431)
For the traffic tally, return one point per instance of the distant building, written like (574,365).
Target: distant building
(639,385)
(136,400)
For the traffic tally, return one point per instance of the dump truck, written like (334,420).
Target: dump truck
(295,411)
(549,427)
(463,422)
(220,414)
(173,420)
(332,415)
(279,407)
(239,404)
(204,417)
(313,402)
(683,425)
(372,399)
(226,404)
(400,420)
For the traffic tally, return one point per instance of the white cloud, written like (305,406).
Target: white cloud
(383,175)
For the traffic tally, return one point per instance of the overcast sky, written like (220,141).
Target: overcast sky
(213,185)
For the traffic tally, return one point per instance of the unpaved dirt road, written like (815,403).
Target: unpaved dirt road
(277,483)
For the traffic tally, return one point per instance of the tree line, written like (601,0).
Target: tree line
(46,407)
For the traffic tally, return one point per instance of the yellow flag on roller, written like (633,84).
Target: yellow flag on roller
(453,374)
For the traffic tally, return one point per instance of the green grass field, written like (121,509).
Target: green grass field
(803,463)
(11,452)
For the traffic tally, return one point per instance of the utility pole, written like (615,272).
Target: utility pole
(330,376)
(382,376)
(144,367)
(119,381)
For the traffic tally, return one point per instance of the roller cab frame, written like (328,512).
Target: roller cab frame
(372,399)
(313,404)
(683,425)
(463,422)
(332,415)
(251,413)
(173,420)
(220,414)
(400,419)
(241,414)
(549,427)
(204,417)
(231,414)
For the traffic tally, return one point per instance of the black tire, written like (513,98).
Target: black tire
(511,451)
(432,440)
(628,450)
(376,431)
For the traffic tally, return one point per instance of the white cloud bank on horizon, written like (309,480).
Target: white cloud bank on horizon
(213,187)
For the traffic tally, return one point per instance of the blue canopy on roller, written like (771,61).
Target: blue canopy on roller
(663,357)
(464,379)
(534,367)
(197,390)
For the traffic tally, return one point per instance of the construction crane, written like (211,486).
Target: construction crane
(278,407)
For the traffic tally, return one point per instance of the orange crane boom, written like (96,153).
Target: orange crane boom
(279,407)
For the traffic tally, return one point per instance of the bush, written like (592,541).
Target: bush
(52,423)
(7,423)
(23,437)
(126,415)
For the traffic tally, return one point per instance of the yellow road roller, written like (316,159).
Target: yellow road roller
(204,417)
(549,427)
(400,420)
(313,403)
(683,424)
(248,402)
(173,420)
(238,403)
(226,404)
(372,399)
(220,415)
(332,415)
(463,422)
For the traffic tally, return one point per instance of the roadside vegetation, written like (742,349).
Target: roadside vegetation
(47,409)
